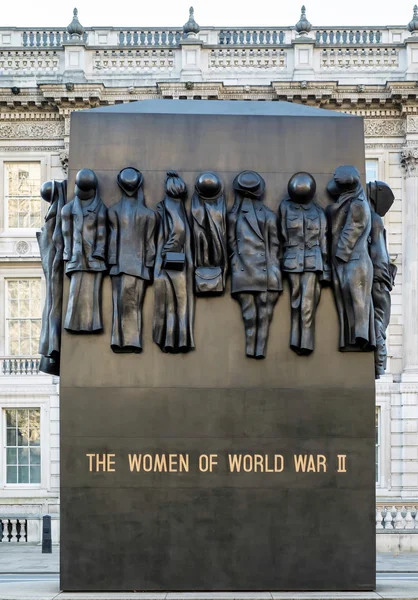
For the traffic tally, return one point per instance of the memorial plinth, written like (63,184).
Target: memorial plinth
(210,470)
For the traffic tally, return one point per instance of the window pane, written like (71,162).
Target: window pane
(35,474)
(24,462)
(11,474)
(24,316)
(35,456)
(34,427)
(372,169)
(23,474)
(23,456)
(11,456)
(11,437)
(10,418)
(22,183)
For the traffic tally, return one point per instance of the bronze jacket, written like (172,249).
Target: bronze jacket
(254,247)
(85,234)
(303,229)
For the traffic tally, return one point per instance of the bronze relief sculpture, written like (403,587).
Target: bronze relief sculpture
(173,272)
(51,247)
(349,221)
(303,228)
(256,279)
(84,228)
(131,257)
(209,234)
(384,271)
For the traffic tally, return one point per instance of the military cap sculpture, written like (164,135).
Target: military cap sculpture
(303,228)
(209,234)
(173,272)
(384,271)
(131,257)
(51,248)
(84,227)
(349,221)
(256,279)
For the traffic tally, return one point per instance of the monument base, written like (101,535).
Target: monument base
(211,471)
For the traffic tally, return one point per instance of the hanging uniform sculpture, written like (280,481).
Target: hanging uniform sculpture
(303,228)
(51,248)
(84,227)
(185,261)
(256,279)
(384,272)
(173,273)
(131,257)
(209,234)
(349,221)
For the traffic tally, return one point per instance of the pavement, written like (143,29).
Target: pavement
(27,574)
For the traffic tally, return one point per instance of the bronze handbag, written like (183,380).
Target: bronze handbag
(208,280)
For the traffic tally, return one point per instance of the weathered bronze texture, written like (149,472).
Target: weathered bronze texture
(303,228)
(51,248)
(173,273)
(84,228)
(131,257)
(256,280)
(216,530)
(349,221)
(209,234)
(384,271)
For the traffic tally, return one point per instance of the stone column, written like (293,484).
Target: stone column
(409,160)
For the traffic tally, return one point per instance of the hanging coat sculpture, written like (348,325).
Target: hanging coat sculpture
(209,234)
(349,221)
(381,199)
(131,257)
(173,273)
(256,279)
(303,228)
(84,227)
(51,247)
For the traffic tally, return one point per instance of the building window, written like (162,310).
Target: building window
(22,199)
(23,316)
(378,460)
(23,446)
(372,169)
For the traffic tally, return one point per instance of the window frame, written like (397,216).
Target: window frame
(6,309)
(41,404)
(6,203)
(45,162)
(27,409)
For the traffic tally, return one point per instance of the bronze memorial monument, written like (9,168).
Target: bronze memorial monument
(186,465)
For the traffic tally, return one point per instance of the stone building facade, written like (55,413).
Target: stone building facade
(46,75)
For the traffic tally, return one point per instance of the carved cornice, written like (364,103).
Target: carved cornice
(32,130)
(384,127)
(382,145)
(21,148)
(409,160)
(15,116)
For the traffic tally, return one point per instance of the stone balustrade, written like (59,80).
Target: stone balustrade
(394,518)
(26,528)
(151,55)
(19,365)
(246,59)
(13,529)
(360,58)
